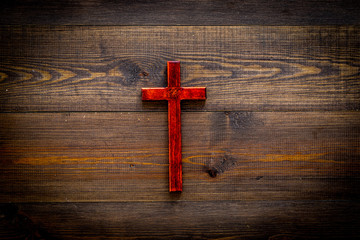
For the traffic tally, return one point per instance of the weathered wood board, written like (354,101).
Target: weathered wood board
(184,12)
(257,68)
(301,220)
(59,157)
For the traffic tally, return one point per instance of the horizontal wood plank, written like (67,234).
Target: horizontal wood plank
(273,220)
(82,68)
(58,157)
(185,12)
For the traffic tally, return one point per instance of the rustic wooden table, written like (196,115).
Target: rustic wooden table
(273,153)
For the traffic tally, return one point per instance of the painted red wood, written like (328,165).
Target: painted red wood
(174,93)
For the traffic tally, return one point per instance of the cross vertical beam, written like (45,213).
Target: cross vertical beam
(174,93)
(174,126)
(175,156)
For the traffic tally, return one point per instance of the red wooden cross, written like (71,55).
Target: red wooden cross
(173,93)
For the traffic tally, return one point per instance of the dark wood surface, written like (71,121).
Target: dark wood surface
(273,153)
(60,157)
(185,12)
(184,220)
(81,68)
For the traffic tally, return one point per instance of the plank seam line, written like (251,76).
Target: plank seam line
(189,111)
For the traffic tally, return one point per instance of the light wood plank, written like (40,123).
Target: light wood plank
(256,68)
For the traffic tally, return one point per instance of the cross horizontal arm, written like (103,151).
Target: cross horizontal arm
(193,93)
(154,94)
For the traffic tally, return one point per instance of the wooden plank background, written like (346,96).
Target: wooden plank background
(273,153)
(257,68)
(184,12)
(227,156)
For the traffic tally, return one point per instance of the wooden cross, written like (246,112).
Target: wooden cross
(173,93)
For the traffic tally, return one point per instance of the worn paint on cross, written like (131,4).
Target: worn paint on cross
(174,93)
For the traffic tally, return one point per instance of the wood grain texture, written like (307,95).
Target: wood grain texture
(188,12)
(256,68)
(91,157)
(273,220)
(272,154)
